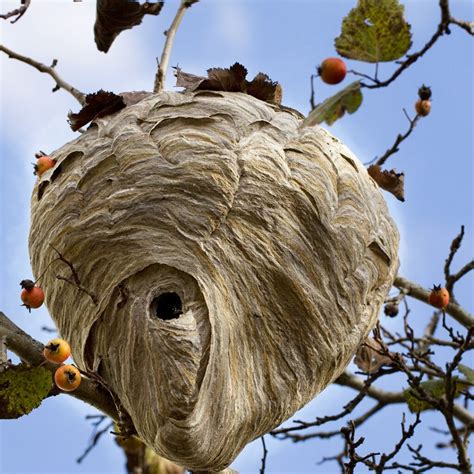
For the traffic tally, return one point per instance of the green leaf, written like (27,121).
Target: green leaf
(434,388)
(347,100)
(374,31)
(467,372)
(22,389)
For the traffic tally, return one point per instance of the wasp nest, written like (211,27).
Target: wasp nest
(228,264)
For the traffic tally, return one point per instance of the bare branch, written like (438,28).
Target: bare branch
(416,291)
(400,138)
(50,70)
(31,351)
(18,12)
(170,34)
(95,436)
(264,456)
(465,25)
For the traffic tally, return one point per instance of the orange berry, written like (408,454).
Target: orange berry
(43,164)
(423,107)
(57,351)
(332,70)
(31,295)
(67,378)
(439,297)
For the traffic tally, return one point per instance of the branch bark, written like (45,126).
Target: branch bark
(31,351)
(18,12)
(160,77)
(416,291)
(50,70)
(349,380)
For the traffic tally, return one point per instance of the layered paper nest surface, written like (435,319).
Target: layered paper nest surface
(233,262)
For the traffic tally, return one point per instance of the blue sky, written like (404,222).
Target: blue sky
(286,40)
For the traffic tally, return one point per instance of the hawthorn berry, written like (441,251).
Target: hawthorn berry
(332,70)
(67,378)
(423,107)
(439,297)
(43,163)
(31,295)
(57,351)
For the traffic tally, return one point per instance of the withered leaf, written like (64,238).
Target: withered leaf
(389,180)
(187,80)
(232,79)
(371,356)
(115,16)
(98,104)
(263,88)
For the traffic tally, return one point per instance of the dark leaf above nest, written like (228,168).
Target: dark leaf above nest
(232,79)
(391,181)
(99,104)
(115,16)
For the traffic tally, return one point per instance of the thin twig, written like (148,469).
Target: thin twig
(400,138)
(75,277)
(60,83)
(264,456)
(160,77)
(443,28)
(95,437)
(18,12)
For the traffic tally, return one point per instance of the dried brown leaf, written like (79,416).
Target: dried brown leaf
(115,16)
(370,356)
(263,88)
(189,81)
(99,104)
(232,79)
(389,180)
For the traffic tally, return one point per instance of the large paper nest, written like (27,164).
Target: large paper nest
(270,237)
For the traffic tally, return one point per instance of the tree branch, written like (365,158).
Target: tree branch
(60,83)
(457,312)
(400,138)
(443,27)
(160,77)
(18,12)
(31,351)
(349,380)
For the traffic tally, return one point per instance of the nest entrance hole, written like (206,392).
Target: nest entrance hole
(167,306)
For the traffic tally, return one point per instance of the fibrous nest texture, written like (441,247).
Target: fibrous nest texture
(228,263)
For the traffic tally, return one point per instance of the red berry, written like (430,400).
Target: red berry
(31,295)
(43,164)
(423,107)
(332,70)
(67,378)
(439,297)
